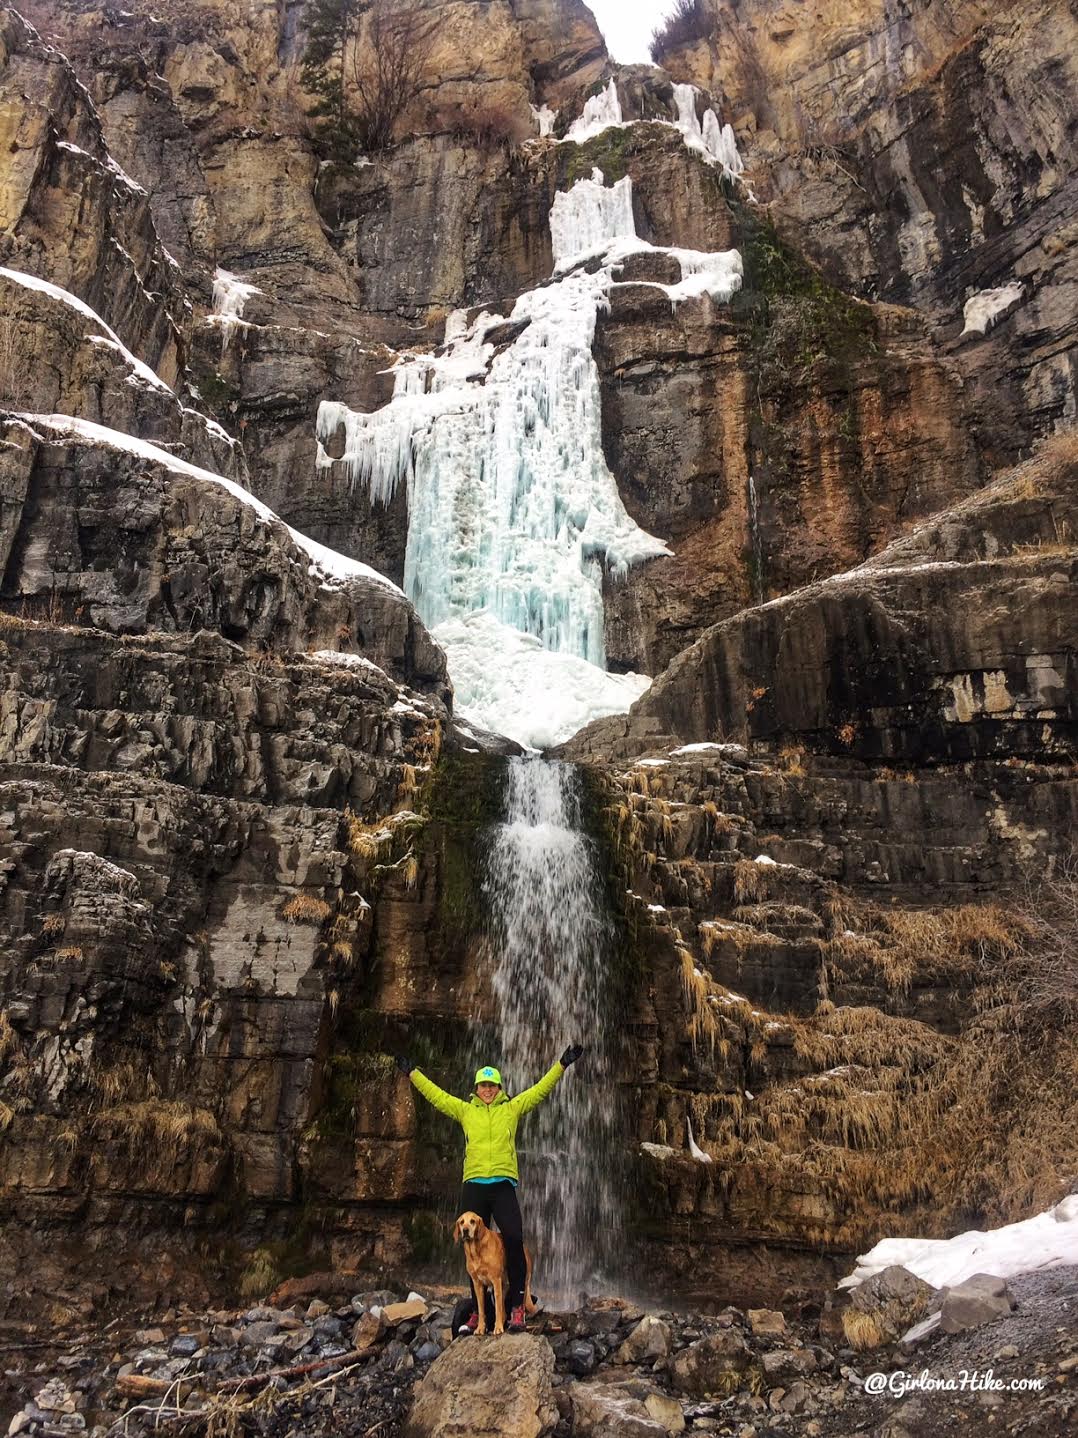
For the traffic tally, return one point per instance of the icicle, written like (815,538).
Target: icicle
(714,141)
(544,118)
(589,214)
(230,294)
(694,1148)
(600,113)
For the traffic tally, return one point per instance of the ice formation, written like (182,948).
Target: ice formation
(587,216)
(508,683)
(982,310)
(544,118)
(230,295)
(600,113)
(513,513)
(714,141)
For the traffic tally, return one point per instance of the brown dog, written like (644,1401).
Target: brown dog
(484,1253)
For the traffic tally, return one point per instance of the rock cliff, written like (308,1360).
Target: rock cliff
(243,835)
(922,153)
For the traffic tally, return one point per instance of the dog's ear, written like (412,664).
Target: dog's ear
(456,1231)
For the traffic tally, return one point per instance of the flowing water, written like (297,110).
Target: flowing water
(550,950)
(515,522)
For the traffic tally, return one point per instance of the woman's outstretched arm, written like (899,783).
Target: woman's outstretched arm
(534,1096)
(444,1102)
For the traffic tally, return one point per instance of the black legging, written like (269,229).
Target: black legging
(499,1201)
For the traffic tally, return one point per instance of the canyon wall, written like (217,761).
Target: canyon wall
(243,834)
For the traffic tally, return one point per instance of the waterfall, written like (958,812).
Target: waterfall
(514,518)
(549,945)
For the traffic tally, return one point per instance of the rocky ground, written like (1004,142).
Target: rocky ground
(384,1363)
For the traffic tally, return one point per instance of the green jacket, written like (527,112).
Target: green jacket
(490,1129)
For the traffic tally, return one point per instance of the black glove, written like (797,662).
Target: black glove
(404,1063)
(571,1054)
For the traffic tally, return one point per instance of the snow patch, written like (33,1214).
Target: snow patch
(351,661)
(1050,1240)
(110,337)
(985,308)
(325,564)
(505,681)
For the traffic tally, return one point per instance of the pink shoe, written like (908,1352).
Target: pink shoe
(468,1328)
(517,1320)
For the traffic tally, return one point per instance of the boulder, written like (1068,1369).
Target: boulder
(600,1411)
(394,1313)
(785,1365)
(487,1388)
(980,1299)
(766,1321)
(884,1306)
(648,1342)
(721,1363)
(666,1410)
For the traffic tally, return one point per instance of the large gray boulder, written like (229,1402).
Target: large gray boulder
(487,1388)
(979,1299)
(649,1342)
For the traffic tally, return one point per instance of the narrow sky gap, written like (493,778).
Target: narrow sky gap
(627,26)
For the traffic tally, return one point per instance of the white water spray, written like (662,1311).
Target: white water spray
(551,988)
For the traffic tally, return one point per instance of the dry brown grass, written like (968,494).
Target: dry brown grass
(863,1330)
(156,1127)
(8,1038)
(123,1082)
(260,1276)
(900,945)
(53,924)
(751,881)
(366,841)
(70,951)
(7,1116)
(792,760)
(306,909)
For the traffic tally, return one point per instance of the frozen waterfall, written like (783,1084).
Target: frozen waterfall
(513,513)
(550,988)
(714,141)
(600,112)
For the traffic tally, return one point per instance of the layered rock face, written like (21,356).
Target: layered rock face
(922,153)
(244,842)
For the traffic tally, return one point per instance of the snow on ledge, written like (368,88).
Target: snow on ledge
(326,564)
(109,335)
(1050,1240)
(985,308)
